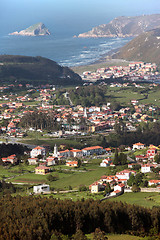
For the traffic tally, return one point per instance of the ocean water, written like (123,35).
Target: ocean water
(66,50)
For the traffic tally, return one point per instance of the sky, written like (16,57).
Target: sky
(69,15)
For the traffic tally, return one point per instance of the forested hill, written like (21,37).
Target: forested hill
(145,47)
(35,71)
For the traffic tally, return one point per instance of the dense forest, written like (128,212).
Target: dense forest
(40,218)
(9,149)
(35,71)
(88,96)
(39,120)
(147,133)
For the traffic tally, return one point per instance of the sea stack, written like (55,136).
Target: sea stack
(38,29)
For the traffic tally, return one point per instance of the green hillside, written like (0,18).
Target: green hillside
(35,70)
(145,47)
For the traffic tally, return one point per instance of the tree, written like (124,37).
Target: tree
(138,179)
(157,158)
(122,158)
(116,159)
(82,188)
(107,188)
(79,235)
(52,178)
(130,181)
(99,235)
(135,188)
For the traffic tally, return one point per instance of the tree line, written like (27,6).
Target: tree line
(40,120)
(41,218)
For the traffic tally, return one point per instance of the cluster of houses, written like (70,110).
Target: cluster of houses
(146,163)
(39,152)
(95,118)
(135,70)
(117,182)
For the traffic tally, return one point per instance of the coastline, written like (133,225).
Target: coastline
(104,61)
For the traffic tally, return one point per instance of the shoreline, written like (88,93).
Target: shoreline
(105,59)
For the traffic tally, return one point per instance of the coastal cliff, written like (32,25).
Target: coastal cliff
(124,27)
(38,29)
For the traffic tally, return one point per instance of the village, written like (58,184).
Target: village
(113,185)
(81,126)
(134,71)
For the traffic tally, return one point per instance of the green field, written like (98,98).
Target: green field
(67,178)
(118,237)
(143,199)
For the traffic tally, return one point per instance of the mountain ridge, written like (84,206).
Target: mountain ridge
(124,27)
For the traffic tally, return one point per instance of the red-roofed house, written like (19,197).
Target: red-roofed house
(72,163)
(91,150)
(125,174)
(12,159)
(138,146)
(38,151)
(76,153)
(119,187)
(151,153)
(153,182)
(50,161)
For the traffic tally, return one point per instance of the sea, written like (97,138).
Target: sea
(65,50)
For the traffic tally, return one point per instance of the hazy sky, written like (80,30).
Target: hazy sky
(69,14)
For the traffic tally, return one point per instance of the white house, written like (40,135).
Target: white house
(153,182)
(145,168)
(125,174)
(92,150)
(138,146)
(105,162)
(119,187)
(32,161)
(65,153)
(76,153)
(41,188)
(38,151)
(50,161)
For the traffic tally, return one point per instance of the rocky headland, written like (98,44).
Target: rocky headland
(124,27)
(38,29)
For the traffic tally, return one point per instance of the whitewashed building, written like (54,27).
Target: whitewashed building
(41,188)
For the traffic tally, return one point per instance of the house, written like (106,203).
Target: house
(96,187)
(106,162)
(138,146)
(92,150)
(119,187)
(38,151)
(32,161)
(125,174)
(44,188)
(151,153)
(153,182)
(50,161)
(76,153)
(10,159)
(146,168)
(72,163)
(43,170)
(108,151)
(65,153)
